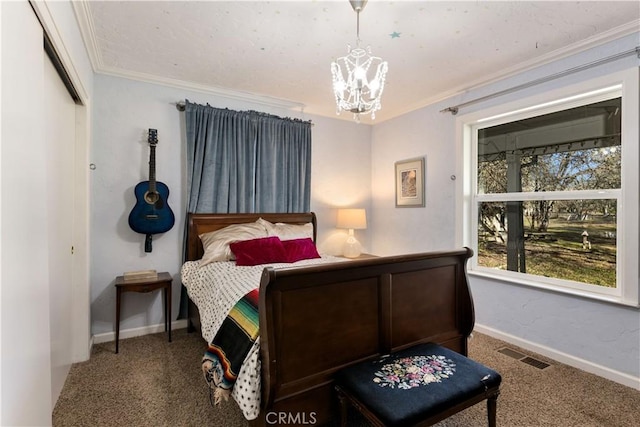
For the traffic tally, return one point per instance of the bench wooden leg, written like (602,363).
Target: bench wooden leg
(342,400)
(492,404)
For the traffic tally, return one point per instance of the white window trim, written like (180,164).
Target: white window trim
(628,256)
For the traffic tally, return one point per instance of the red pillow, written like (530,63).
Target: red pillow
(299,249)
(258,251)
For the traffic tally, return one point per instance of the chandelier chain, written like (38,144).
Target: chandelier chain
(358,28)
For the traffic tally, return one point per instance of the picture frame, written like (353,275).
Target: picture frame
(410,183)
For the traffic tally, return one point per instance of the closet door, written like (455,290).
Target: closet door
(59,122)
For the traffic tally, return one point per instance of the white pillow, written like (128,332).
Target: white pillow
(216,243)
(288,231)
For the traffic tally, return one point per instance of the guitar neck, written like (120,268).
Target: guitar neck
(152,169)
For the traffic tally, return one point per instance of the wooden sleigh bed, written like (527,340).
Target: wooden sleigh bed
(315,320)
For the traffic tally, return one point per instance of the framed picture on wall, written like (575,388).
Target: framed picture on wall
(410,183)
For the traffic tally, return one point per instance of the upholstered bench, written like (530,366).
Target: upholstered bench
(421,385)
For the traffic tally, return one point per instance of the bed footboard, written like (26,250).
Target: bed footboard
(317,320)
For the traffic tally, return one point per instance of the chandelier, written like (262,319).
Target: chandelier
(358,78)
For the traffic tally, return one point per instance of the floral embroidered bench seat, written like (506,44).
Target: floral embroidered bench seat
(418,386)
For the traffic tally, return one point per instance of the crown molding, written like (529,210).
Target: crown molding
(85,23)
(207,89)
(522,67)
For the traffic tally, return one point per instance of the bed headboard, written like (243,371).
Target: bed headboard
(199,223)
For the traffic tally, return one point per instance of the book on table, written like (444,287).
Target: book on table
(132,276)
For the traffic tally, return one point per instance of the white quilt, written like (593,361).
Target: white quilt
(215,288)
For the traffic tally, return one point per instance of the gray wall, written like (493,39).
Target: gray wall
(601,337)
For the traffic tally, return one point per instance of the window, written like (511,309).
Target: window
(551,192)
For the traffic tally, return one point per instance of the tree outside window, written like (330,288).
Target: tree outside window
(548,191)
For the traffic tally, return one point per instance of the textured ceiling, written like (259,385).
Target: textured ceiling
(281,50)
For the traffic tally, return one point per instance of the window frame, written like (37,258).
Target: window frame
(623,84)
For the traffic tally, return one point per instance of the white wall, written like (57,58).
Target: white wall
(595,336)
(26,392)
(123,111)
(26,299)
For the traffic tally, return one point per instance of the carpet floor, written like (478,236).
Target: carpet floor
(152,382)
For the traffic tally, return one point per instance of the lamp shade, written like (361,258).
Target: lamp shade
(353,219)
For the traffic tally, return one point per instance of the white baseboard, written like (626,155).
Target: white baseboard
(137,332)
(567,359)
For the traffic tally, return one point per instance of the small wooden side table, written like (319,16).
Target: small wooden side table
(162,282)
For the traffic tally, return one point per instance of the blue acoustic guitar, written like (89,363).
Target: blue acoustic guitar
(151,214)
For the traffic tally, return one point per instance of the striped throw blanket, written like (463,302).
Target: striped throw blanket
(228,349)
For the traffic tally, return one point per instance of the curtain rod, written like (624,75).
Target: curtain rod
(454,109)
(180,106)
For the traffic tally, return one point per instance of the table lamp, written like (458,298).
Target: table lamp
(352,219)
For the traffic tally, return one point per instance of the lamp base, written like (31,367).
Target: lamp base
(352,248)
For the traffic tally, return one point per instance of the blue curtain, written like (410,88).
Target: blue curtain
(246,161)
